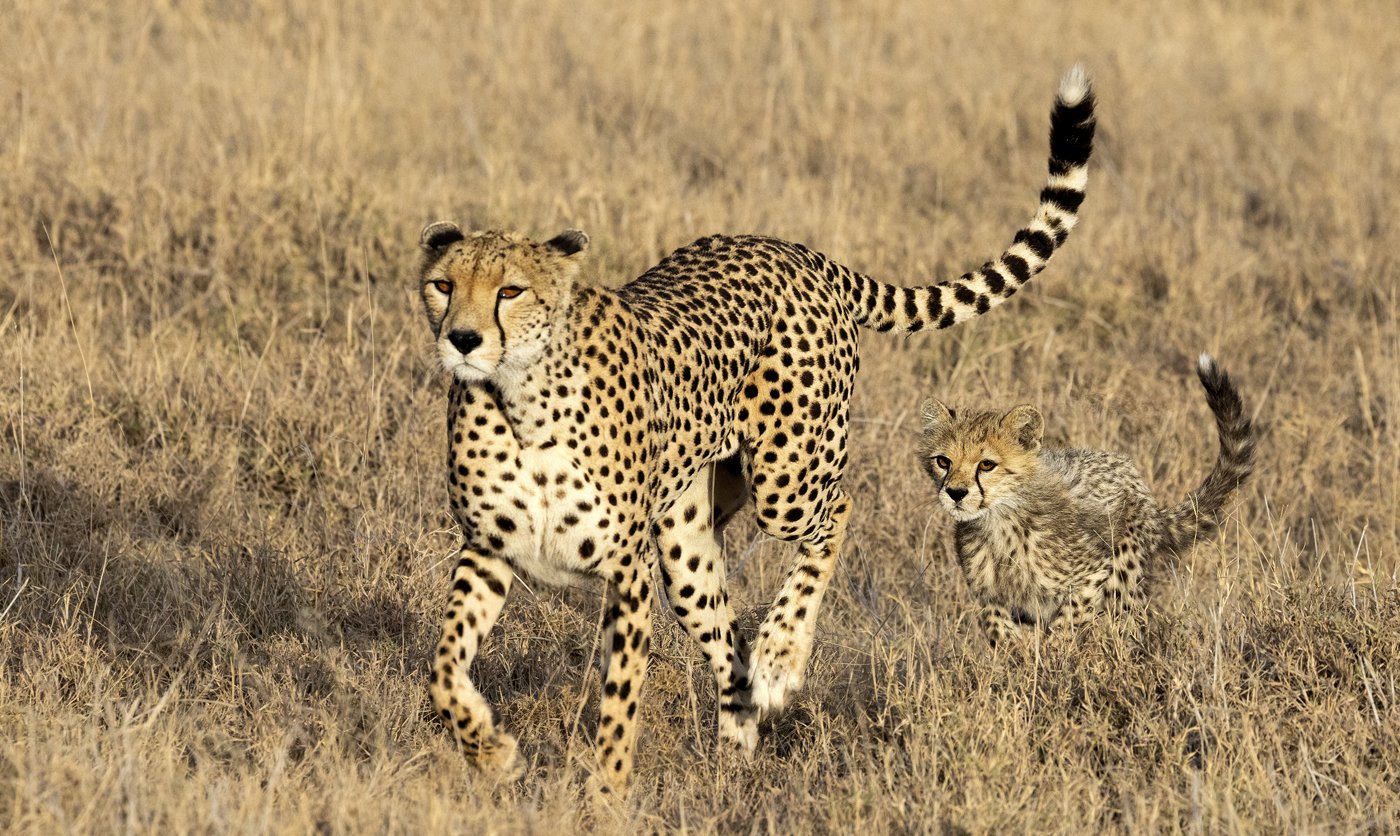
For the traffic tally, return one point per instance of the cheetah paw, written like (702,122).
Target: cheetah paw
(499,758)
(739,735)
(773,681)
(603,789)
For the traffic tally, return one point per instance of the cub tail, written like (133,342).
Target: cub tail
(1199,515)
(886,307)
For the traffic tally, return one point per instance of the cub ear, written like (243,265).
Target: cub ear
(936,414)
(440,234)
(1025,425)
(569,242)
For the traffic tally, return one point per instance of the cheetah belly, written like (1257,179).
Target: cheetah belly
(568,519)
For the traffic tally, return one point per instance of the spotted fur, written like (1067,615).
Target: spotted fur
(1054,537)
(600,433)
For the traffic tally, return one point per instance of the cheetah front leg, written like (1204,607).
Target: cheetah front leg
(999,626)
(626,645)
(479,588)
(1083,605)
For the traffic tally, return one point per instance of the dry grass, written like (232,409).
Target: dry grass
(222,526)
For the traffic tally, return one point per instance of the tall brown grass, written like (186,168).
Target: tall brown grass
(222,525)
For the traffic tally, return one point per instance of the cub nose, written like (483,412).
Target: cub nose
(464,341)
(957,493)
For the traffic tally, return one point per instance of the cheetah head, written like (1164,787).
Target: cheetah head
(495,299)
(980,461)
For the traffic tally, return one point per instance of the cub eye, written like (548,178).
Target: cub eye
(986,465)
(443,287)
(942,462)
(511,292)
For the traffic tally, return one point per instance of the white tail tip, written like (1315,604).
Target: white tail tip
(1205,363)
(1074,86)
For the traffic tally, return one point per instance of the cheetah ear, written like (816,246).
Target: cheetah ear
(1025,425)
(936,414)
(440,234)
(570,242)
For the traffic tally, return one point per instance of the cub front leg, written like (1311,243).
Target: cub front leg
(999,626)
(479,588)
(1083,604)
(626,645)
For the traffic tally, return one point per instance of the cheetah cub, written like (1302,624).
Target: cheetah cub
(1054,537)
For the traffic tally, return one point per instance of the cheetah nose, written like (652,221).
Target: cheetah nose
(464,341)
(957,493)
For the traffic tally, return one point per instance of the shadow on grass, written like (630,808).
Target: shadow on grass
(151,588)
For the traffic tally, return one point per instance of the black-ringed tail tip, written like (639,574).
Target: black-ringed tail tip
(1074,86)
(888,307)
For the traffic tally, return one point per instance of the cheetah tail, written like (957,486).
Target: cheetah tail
(887,307)
(1199,515)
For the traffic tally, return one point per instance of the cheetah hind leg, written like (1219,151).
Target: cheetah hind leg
(1124,588)
(785,638)
(692,568)
(479,588)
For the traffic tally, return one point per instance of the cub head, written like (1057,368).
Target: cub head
(979,460)
(494,299)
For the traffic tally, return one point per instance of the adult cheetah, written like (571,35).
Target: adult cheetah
(600,433)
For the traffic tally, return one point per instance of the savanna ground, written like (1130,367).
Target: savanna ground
(223,526)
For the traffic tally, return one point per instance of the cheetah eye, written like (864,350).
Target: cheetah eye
(942,462)
(443,287)
(986,465)
(511,292)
